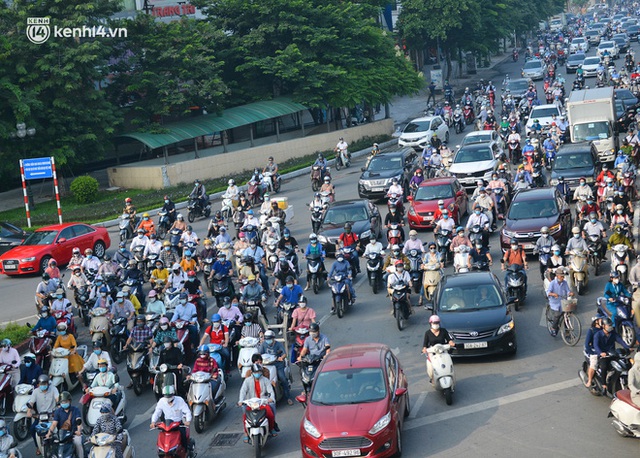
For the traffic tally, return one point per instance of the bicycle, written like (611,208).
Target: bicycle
(569,325)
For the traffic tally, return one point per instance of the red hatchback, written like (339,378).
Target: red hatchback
(424,202)
(357,404)
(58,242)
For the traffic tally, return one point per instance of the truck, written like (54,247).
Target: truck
(592,118)
(557,23)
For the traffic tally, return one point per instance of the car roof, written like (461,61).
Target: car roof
(437,181)
(362,355)
(401,152)
(535,194)
(59,227)
(569,148)
(349,203)
(475,146)
(468,278)
(424,119)
(548,105)
(479,133)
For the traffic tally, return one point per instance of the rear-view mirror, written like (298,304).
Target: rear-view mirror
(400,392)
(62,240)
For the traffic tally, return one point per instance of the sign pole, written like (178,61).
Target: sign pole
(24,193)
(55,187)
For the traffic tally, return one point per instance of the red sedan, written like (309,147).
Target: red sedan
(357,404)
(57,242)
(424,202)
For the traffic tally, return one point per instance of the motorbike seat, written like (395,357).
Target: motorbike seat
(625,396)
(602,303)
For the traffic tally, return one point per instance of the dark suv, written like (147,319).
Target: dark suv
(574,161)
(529,211)
(473,308)
(384,167)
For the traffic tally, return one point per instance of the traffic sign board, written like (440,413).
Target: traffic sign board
(38,168)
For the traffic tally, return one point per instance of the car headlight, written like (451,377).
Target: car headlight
(509,234)
(365,234)
(310,429)
(380,424)
(506,327)
(31,259)
(555,228)
(412,212)
(589,179)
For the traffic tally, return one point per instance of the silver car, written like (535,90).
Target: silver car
(533,69)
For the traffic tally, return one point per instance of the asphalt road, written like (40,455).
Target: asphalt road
(531,404)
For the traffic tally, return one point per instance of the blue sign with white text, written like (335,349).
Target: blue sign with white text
(38,168)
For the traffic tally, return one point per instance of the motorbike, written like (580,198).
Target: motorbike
(138,366)
(119,334)
(62,316)
(169,442)
(515,285)
(308,368)
(549,158)
(104,445)
(197,208)
(256,423)
(395,201)
(461,259)
(501,204)
(21,423)
(443,376)
(394,235)
(579,270)
(619,262)
(5,388)
(476,235)
(616,377)
(343,159)
(595,247)
(515,55)
(298,337)
(238,219)
(430,280)
(273,181)
(164,223)
(537,176)
(316,178)
(415,268)
(341,296)
(124,225)
(248,347)
(629,185)
(374,268)
(314,262)
(206,401)
(317,212)
(626,414)
(174,239)
(94,400)
(350,257)
(544,255)
(458,122)
(625,326)
(168,374)
(183,332)
(40,345)
(285,309)
(221,285)
(59,370)
(401,305)
(467,112)
(59,445)
(99,325)
(253,306)
(271,253)
(443,240)
(268,361)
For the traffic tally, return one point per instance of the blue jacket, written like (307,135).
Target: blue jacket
(612,291)
(588,341)
(343,268)
(30,375)
(603,343)
(49,323)
(317,249)
(291,295)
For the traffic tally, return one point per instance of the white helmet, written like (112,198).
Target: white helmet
(231,182)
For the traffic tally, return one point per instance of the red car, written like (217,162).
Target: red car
(357,404)
(424,202)
(57,242)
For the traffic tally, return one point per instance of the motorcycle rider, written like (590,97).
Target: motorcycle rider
(479,218)
(130,210)
(612,290)
(172,408)
(314,247)
(523,175)
(77,280)
(487,205)
(45,321)
(188,263)
(90,262)
(316,344)
(109,423)
(349,238)
(459,239)
(595,227)
(589,350)
(107,379)
(557,290)
(91,364)
(162,332)
(44,289)
(620,218)
(576,243)
(604,342)
(10,357)
(187,311)
(399,275)
(76,259)
(445,223)
(170,208)
(42,401)
(395,217)
(342,267)
(253,291)
(122,308)
(259,386)
(328,188)
(218,334)
(30,370)
(199,193)
(147,225)
(302,316)
(433,336)
(139,240)
(621,198)
(583,191)
(515,256)
(159,275)
(277,212)
(416,179)
(270,347)
(122,256)
(414,243)
(588,208)
(545,240)
(154,246)
(52,269)
(68,417)
(6,442)
(179,223)
(604,174)
(563,188)
(271,167)
(322,163)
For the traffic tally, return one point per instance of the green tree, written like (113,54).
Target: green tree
(164,69)
(52,86)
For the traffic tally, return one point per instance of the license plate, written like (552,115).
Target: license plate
(11,267)
(529,246)
(354,452)
(469,345)
(426,218)
(374,189)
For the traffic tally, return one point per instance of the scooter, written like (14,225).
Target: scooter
(63,317)
(169,441)
(374,268)
(83,305)
(164,223)
(119,335)
(268,361)
(619,262)
(579,270)
(99,326)
(515,285)
(430,280)
(184,336)
(125,227)
(340,294)
(256,423)
(273,181)
(316,178)
(137,366)
(616,377)
(59,370)
(40,345)
(104,446)
(343,158)
(248,347)
(298,336)
(94,400)
(461,259)
(196,208)
(60,444)
(395,201)
(543,258)
(308,368)
(5,388)
(206,401)
(317,212)
(442,375)
(394,235)
(626,414)
(625,326)
(401,305)
(167,374)
(42,428)
(254,192)
(350,256)
(443,240)
(314,261)
(415,269)
(21,423)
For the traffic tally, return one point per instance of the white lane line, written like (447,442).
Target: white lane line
(491,404)
(543,317)
(415,408)
(141,418)
(19,320)
(635,229)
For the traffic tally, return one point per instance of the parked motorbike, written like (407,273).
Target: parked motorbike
(515,285)
(206,398)
(401,305)
(374,269)
(341,296)
(443,376)
(625,414)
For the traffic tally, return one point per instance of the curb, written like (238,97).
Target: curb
(285,177)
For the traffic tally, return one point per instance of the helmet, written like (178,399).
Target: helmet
(128,200)
(132,262)
(145,215)
(107,257)
(434,319)
(347,226)
(166,243)
(607,324)
(231,182)
(248,317)
(618,228)
(313,238)
(104,289)
(76,250)
(179,216)
(269,333)
(216,317)
(5,343)
(544,230)
(97,344)
(314,327)
(46,276)
(203,349)
(61,327)
(140,318)
(256,368)
(183,295)
(167,339)
(459,229)
(191,273)
(164,320)
(327,179)
(168,391)
(575,230)
(302,300)
(29,356)
(44,378)
(44,309)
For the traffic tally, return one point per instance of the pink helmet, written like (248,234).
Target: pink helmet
(241,235)
(164,320)
(153,293)
(434,319)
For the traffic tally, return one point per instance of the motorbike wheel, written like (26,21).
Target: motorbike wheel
(21,429)
(580,287)
(628,334)
(117,354)
(570,329)
(162,232)
(316,285)
(207,212)
(85,318)
(416,287)
(123,236)
(257,446)
(338,163)
(339,308)
(596,265)
(374,285)
(448,396)
(400,320)
(199,422)
(137,385)
(191,216)
(315,186)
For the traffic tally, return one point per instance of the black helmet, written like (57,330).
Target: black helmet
(140,318)
(107,257)
(46,276)
(347,226)
(314,327)
(65,396)
(167,339)
(248,317)
(289,279)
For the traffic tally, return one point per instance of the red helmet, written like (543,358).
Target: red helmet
(128,200)
(191,273)
(418,170)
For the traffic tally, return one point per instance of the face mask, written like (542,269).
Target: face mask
(619,212)
(120,300)
(183,301)
(412,237)
(146,219)
(445,216)
(103,294)
(313,334)
(282,259)
(28,364)
(65,405)
(192,279)
(254,245)
(557,253)
(257,375)
(167,345)
(247,323)
(45,314)
(166,201)
(289,285)
(167,248)
(89,256)
(170,400)
(477,212)
(77,274)
(46,282)
(97,352)
(582,183)
(340,259)
(435,326)
(615,281)
(268,341)
(176,272)
(62,333)
(44,387)
(234,304)
(441,206)
(59,296)
(216,325)
(103,369)
(227,306)
(122,250)
(577,236)
(164,327)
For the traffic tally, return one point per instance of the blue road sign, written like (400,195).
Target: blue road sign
(38,168)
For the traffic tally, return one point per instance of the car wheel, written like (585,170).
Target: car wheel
(44,263)
(99,249)
(407,409)
(398,441)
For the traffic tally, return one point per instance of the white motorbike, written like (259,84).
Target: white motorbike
(626,414)
(256,423)
(104,446)
(269,362)
(248,347)
(430,279)
(440,371)
(229,203)
(206,401)
(59,370)
(91,410)
(21,423)
(461,259)
(579,270)
(171,299)
(619,262)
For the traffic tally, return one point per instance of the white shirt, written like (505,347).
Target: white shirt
(176,411)
(186,237)
(93,263)
(137,240)
(342,146)
(373,248)
(62,305)
(232,192)
(395,277)
(446,224)
(395,189)
(177,281)
(92,362)
(153,247)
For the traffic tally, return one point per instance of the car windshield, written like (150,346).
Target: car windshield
(340,215)
(591,33)
(469,298)
(576,58)
(442,191)
(591,131)
(619,108)
(417,126)
(533,64)
(527,209)
(592,61)
(517,86)
(478,138)
(349,386)
(624,94)
(544,112)
(464,156)
(578,41)
(573,161)
(382,163)
(41,238)
(606,45)
(9,231)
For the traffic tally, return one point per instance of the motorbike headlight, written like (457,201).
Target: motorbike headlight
(365,234)
(381,424)
(31,259)
(506,327)
(553,182)
(589,179)
(310,429)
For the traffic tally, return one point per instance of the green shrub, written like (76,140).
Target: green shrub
(16,333)
(85,189)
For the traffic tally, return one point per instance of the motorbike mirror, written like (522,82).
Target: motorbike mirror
(28,324)
(301,398)
(362,169)
(400,391)
(410,198)
(78,421)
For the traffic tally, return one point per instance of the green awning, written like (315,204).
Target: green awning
(208,124)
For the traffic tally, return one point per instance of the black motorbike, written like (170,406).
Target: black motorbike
(197,208)
(458,122)
(374,270)
(401,305)
(221,288)
(516,285)
(443,241)
(315,271)
(83,303)
(119,334)
(138,366)
(308,367)
(616,376)
(317,212)
(415,269)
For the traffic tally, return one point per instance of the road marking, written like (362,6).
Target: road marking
(4,323)
(141,418)
(635,229)
(415,408)
(491,404)
(358,283)
(543,318)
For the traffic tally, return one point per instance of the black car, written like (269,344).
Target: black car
(633,31)
(361,213)
(630,100)
(10,236)
(473,308)
(384,167)
(517,88)
(573,61)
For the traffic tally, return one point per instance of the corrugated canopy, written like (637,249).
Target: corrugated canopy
(208,124)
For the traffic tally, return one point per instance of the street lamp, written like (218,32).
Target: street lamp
(22,132)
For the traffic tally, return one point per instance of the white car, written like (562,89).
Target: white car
(474,162)
(590,66)
(533,69)
(593,36)
(543,113)
(610,46)
(579,44)
(418,132)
